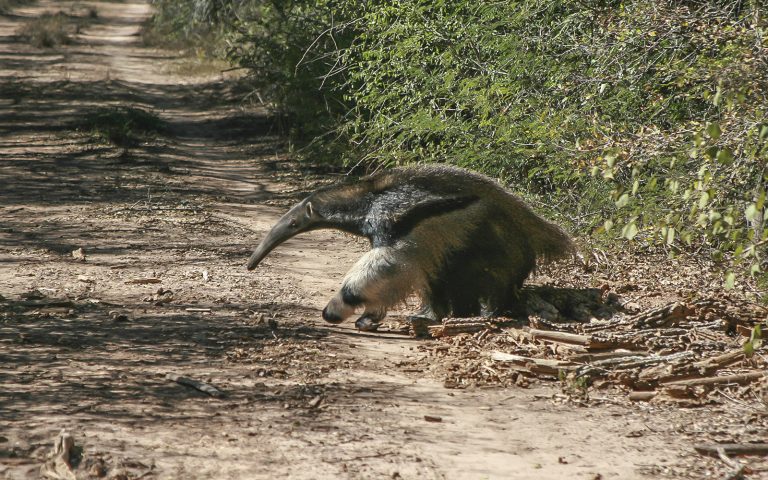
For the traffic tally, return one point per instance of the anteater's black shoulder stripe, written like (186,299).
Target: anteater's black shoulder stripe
(425,209)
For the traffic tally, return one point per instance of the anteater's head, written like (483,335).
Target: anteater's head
(342,206)
(303,217)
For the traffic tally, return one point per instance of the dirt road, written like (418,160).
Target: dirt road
(165,225)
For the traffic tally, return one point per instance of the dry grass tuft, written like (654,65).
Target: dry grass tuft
(48,30)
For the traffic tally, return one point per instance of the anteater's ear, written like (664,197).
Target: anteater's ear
(310,211)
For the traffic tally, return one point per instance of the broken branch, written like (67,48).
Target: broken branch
(695,382)
(197,385)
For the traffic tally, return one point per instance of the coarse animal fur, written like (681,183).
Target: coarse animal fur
(456,239)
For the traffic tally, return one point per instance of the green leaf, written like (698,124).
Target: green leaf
(755,341)
(764,132)
(757,333)
(711,153)
(754,269)
(760,200)
(622,201)
(713,130)
(730,279)
(629,231)
(674,185)
(718,97)
(704,199)
(608,225)
(725,156)
(669,235)
(751,212)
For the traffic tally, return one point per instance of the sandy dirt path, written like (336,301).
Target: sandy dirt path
(86,346)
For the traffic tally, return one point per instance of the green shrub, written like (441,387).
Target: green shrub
(639,119)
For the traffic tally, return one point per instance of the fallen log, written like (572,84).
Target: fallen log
(733,449)
(740,378)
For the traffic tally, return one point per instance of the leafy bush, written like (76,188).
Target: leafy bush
(642,119)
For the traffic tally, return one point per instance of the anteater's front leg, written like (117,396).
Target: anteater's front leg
(379,280)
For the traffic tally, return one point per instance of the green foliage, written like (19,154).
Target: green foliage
(191,23)
(755,341)
(643,120)
(123,126)
(295,50)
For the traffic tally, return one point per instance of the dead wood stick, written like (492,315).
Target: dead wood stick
(457,328)
(587,341)
(733,449)
(641,361)
(695,382)
(150,208)
(719,361)
(737,469)
(197,385)
(543,366)
(465,321)
(509,357)
(143,281)
(597,356)
(670,372)
(660,317)
(563,337)
(603,366)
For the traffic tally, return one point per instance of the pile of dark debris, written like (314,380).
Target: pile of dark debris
(678,352)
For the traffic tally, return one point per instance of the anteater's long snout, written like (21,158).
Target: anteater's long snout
(299,219)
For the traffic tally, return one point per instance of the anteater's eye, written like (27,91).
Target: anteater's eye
(293,223)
